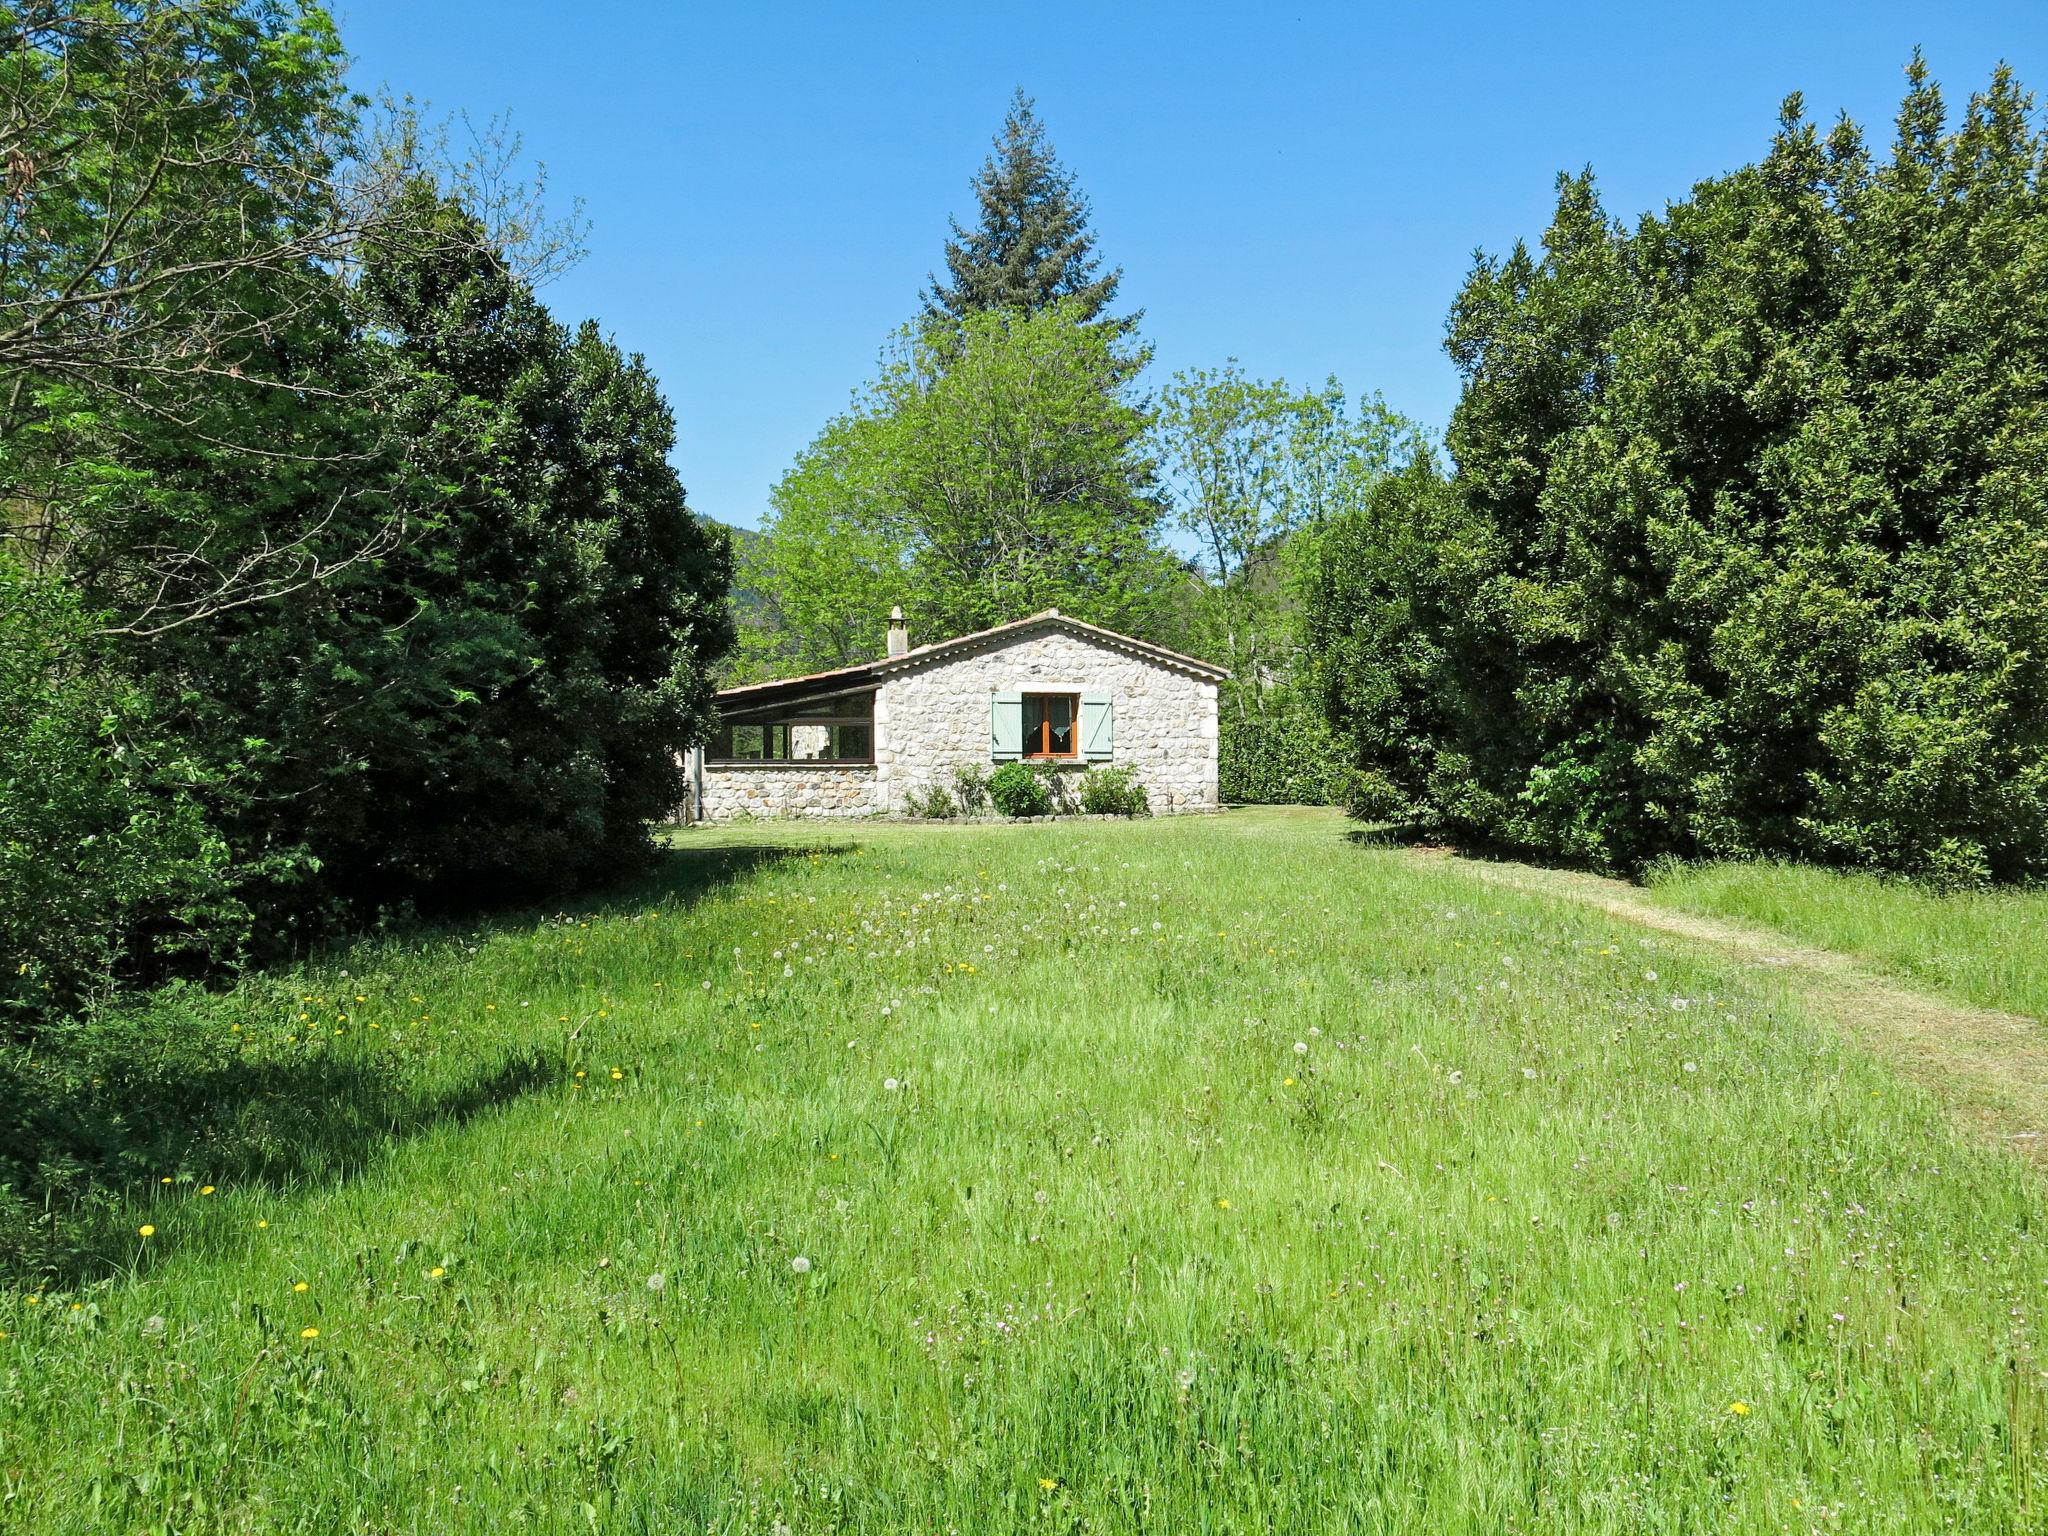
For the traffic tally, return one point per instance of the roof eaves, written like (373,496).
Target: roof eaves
(937,648)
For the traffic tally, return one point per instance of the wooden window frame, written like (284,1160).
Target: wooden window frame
(787,722)
(1041,750)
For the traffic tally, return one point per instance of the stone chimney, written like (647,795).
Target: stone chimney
(899,632)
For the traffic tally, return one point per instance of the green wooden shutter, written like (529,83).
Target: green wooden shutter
(1006,726)
(1098,728)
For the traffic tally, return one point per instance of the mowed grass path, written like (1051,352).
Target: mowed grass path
(1208,1175)
(1990,947)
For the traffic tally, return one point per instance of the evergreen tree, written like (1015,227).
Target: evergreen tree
(996,467)
(1746,546)
(1031,246)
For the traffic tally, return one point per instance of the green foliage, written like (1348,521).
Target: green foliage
(995,468)
(934,803)
(1257,472)
(1746,548)
(1113,792)
(178,163)
(567,602)
(109,870)
(1286,755)
(396,596)
(1031,247)
(970,787)
(1017,789)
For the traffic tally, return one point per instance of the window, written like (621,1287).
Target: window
(1049,725)
(835,731)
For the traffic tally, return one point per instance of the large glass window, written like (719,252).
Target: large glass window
(1049,725)
(834,731)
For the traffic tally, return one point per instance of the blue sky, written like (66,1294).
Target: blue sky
(1298,186)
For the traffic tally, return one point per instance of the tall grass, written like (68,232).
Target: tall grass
(1184,1176)
(1987,947)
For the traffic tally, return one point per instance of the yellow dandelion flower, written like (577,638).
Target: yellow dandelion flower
(146,1230)
(1289,1083)
(1048,1483)
(1222,1205)
(1738,1408)
(617,1074)
(436,1272)
(309,1333)
(260,1225)
(301,1286)
(206,1189)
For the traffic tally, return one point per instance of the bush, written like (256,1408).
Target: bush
(1059,787)
(109,868)
(1743,549)
(1113,792)
(1288,756)
(934,803)
(1019,791)
(970,788)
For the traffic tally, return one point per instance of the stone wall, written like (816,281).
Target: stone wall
(930,718)
(789,789)
(933,715)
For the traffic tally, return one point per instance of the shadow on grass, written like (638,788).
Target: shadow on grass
(96,1112)
(1385,835)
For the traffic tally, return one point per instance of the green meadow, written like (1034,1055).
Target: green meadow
(1220,1174)
(1986,947)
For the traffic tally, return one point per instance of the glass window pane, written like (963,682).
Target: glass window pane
(853,743)
(1060,717)
(746,741)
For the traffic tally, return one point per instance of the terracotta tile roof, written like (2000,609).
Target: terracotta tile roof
(822,682)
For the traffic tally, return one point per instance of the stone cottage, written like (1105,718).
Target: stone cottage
(1047,689)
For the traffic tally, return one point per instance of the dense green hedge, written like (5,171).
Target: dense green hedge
(1746,547)
(1285,758)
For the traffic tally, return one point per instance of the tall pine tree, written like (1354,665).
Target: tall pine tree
(1031,245)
